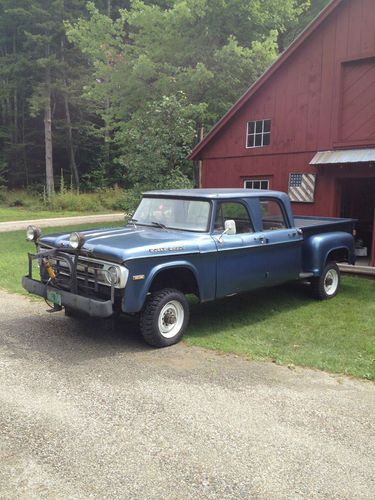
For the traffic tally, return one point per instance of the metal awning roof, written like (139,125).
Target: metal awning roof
(343,156)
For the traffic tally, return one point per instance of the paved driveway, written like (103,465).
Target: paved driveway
(87,414)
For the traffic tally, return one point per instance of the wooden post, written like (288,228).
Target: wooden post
(372,262)
(200,161)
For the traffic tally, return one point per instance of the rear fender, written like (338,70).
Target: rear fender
(318,248)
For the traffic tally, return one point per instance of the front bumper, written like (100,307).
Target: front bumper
(93,307)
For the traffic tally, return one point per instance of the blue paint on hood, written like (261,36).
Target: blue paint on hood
(124,243)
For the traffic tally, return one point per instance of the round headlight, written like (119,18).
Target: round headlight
(32,233)
(113,275)
(76,240)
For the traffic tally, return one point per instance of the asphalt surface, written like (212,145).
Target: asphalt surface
(59,221)
(86,413)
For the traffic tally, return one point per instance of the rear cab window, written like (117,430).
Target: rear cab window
(272,215)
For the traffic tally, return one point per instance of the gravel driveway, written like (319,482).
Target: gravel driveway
(90,414)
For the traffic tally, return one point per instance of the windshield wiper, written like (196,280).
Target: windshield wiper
(159,224)
(133,221)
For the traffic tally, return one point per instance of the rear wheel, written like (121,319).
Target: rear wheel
(165,318)
(327,284)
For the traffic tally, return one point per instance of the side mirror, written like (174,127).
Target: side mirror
(230,228)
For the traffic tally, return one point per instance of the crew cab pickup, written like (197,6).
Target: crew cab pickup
(208,242)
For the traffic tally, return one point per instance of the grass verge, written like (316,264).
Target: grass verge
(281,324)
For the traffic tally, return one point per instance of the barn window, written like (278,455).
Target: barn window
(258,134)
(256,184)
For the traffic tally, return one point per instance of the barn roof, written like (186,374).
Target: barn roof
(195,154)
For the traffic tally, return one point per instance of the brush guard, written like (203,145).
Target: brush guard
(68,287)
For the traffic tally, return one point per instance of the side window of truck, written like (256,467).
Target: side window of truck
(273,217)
(233,211)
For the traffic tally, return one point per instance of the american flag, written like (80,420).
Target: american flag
(302,187)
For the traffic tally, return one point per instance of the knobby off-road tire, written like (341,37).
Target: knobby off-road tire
(164,318)
(327,285)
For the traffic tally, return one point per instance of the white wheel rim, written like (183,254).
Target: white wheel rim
(331,281)
(171,319)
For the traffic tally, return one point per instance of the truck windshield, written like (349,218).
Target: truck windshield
(173,213)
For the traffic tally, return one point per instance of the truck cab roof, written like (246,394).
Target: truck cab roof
(220,193)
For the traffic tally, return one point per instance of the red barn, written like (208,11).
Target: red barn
(307,126)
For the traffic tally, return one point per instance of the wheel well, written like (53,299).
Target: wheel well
(180,278)
(338,255)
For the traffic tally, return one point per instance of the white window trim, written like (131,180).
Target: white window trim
(261,133)
(257,180)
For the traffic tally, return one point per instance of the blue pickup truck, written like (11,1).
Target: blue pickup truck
(208,242)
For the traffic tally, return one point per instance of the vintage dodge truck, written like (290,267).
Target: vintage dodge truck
(208,242)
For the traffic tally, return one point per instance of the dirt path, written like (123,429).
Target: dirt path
(90,414)
(60,221)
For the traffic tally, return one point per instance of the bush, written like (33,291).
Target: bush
(103,199)
(24,199)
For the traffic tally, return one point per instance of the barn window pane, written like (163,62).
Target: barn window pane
(256,184)
(258,133)
(251,127)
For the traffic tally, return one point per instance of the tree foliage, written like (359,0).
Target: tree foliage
(129,84)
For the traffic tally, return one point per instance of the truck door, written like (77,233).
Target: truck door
(239,256)
(281,244)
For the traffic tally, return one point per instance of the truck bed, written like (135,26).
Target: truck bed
(312,225)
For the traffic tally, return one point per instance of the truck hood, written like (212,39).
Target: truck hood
(124,243)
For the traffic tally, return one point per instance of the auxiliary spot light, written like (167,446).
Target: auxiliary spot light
(33,233)
(76,240)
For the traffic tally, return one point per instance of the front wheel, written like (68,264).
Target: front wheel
(327,284)
(165,317)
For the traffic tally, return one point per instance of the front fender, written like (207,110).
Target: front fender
(317,248)
(136,291)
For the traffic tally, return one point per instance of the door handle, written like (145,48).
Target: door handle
(262,239)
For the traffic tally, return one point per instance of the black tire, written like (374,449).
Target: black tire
(327,284)
(164,318)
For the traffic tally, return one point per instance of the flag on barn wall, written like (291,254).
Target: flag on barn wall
(301,187)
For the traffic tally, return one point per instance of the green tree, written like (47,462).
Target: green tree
(210,50)
(154,143)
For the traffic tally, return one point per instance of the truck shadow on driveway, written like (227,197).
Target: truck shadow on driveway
(73,340)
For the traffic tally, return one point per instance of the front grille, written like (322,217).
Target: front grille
(84,277)
(89,274)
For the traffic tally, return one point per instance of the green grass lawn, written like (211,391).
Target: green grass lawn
(286,326)
(8,214)
(280,324)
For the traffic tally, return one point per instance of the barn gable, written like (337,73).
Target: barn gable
(309,85)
